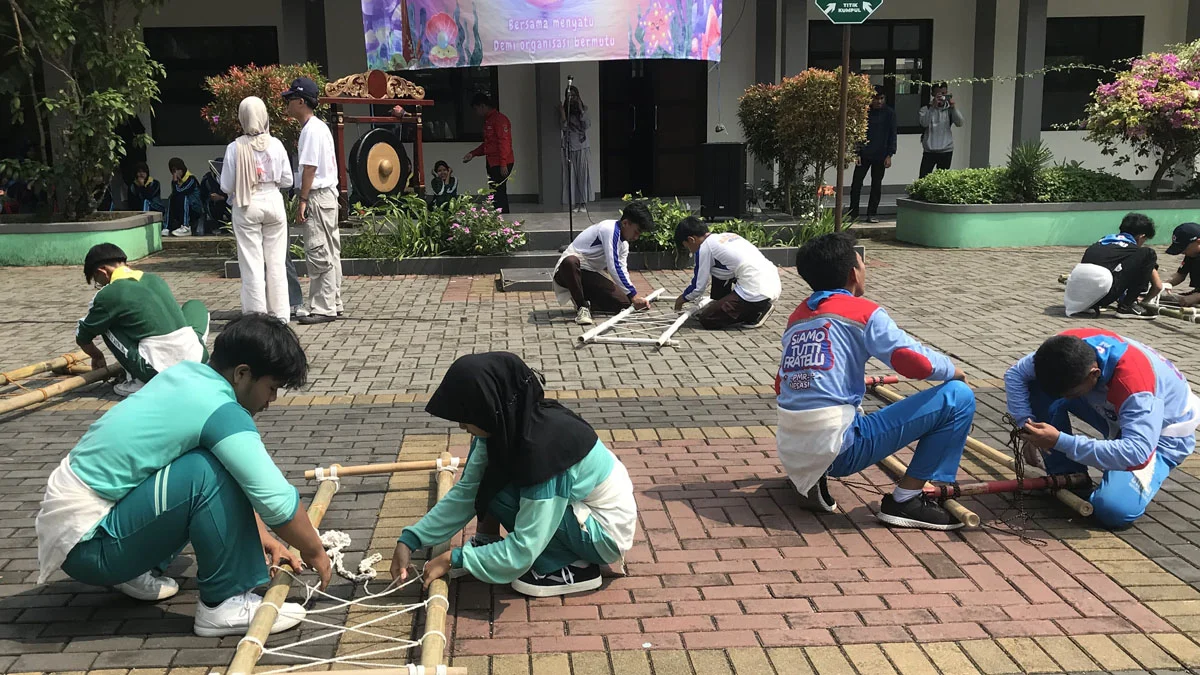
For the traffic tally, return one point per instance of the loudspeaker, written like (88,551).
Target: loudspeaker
(724,178)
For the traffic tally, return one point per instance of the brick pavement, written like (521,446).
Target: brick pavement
(729,575)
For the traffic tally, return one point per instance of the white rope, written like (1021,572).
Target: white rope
(334,541)
(452,467)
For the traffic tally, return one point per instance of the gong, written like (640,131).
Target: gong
(379,165)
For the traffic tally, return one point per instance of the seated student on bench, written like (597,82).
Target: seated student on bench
(1185,241)
(143,326)
(536,467)
(1119,268)
(745,285)
(604,247)
(181,462)
(822,430)
(1133,396)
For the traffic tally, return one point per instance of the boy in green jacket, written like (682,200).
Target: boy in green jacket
(143,326)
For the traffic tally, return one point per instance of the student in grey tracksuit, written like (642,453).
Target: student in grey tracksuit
(937,120)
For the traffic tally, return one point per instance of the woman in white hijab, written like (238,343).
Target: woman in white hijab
(256,168)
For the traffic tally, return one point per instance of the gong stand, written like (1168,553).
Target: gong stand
(375,88)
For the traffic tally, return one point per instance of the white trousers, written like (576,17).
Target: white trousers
(323,251)
(261,233)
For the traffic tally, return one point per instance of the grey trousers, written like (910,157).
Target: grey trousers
(323,248)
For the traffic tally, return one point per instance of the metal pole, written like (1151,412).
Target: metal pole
(841,166)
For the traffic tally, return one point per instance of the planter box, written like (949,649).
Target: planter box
(478,265)
(1019,225)
(24,243)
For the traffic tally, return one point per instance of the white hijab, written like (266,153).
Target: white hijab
(252,113)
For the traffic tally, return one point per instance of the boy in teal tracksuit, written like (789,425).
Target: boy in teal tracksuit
(147,479)
(143,326)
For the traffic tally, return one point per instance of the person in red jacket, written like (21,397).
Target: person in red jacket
(496,147)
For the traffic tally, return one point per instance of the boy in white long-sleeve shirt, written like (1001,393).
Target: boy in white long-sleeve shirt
(745,285)
(580,275)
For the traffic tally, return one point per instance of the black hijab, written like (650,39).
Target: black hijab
(532,438)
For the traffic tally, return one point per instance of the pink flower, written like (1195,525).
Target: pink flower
(492,197)
(455,226)
(516,223)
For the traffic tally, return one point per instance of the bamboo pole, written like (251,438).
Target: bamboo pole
(1072,500)
(617,318)
(1187,314)
(374,469)
(665,338)
(64,361)
(433,643)
(991,487)
(403,670)
(38,395)
(961,513)
(247,654)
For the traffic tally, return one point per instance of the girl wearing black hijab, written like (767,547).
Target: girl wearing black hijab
(536,467)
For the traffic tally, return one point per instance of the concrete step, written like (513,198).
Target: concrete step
(525,280)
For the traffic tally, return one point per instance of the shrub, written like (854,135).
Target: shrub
(1026,164)
(482,230)
(407,226)
(1151,112)
(666,215)
(1077,184)
(965,186)
(265,82)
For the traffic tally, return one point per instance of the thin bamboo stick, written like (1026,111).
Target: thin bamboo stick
(247,654)
(665,339)
(961,513)
(433,643)
(38,395)
(604,339)
(1187,314)
(1072,500)
(403,670)
(373,469)
(992,487)
(591,334)
(64,361)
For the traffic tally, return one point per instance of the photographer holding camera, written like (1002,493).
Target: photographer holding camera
(938,119)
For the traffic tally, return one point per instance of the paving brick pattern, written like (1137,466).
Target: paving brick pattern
(730,573)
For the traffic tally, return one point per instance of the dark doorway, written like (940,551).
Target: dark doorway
(653,116)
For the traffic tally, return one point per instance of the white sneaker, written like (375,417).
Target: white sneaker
(149,587)
(584,317)
(233,616)
(127,387)
(181,232)
(166,232)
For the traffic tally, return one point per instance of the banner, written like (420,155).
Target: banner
(417,34)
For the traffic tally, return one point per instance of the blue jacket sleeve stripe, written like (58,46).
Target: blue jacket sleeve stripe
(616,250)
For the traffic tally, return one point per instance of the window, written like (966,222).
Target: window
(189,55)
(451,89)
(894,54)
(1101,41)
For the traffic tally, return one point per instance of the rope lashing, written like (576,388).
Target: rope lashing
(452,467)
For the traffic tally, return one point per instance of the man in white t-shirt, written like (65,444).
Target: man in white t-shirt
(745,285)
(316,178)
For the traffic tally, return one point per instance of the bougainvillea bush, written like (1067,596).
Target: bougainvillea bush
(265,82)
(1150,115)
(481,230)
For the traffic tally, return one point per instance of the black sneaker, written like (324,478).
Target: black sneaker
(570,579)
(922,512)
(312,319)
(758,321)
(1136,312)
(820,498)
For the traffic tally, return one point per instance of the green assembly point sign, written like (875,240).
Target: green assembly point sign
(848,11)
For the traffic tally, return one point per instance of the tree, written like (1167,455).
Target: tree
(92,50)
(795,124)
(265,82)
(1151,112)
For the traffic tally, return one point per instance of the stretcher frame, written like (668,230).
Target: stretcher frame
(629,316)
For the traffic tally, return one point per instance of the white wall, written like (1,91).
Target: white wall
(1165,24)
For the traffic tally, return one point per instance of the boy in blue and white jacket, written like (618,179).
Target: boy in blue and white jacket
(1135,398)
(822,430)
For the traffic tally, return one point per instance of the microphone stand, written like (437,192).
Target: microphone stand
(566,148)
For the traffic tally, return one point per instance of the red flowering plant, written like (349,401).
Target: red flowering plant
(1150,114)
(265,82)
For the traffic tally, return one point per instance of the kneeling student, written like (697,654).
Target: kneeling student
(579,277)
(181,462)
(1128,392)
(536,467)
(822,430)
(1119,268)
(745,285)
(143,326)
(1185,241)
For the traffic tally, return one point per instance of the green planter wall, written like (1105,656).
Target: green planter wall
(28,244)
(1013,225)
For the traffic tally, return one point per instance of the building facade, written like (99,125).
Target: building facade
(649,118)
